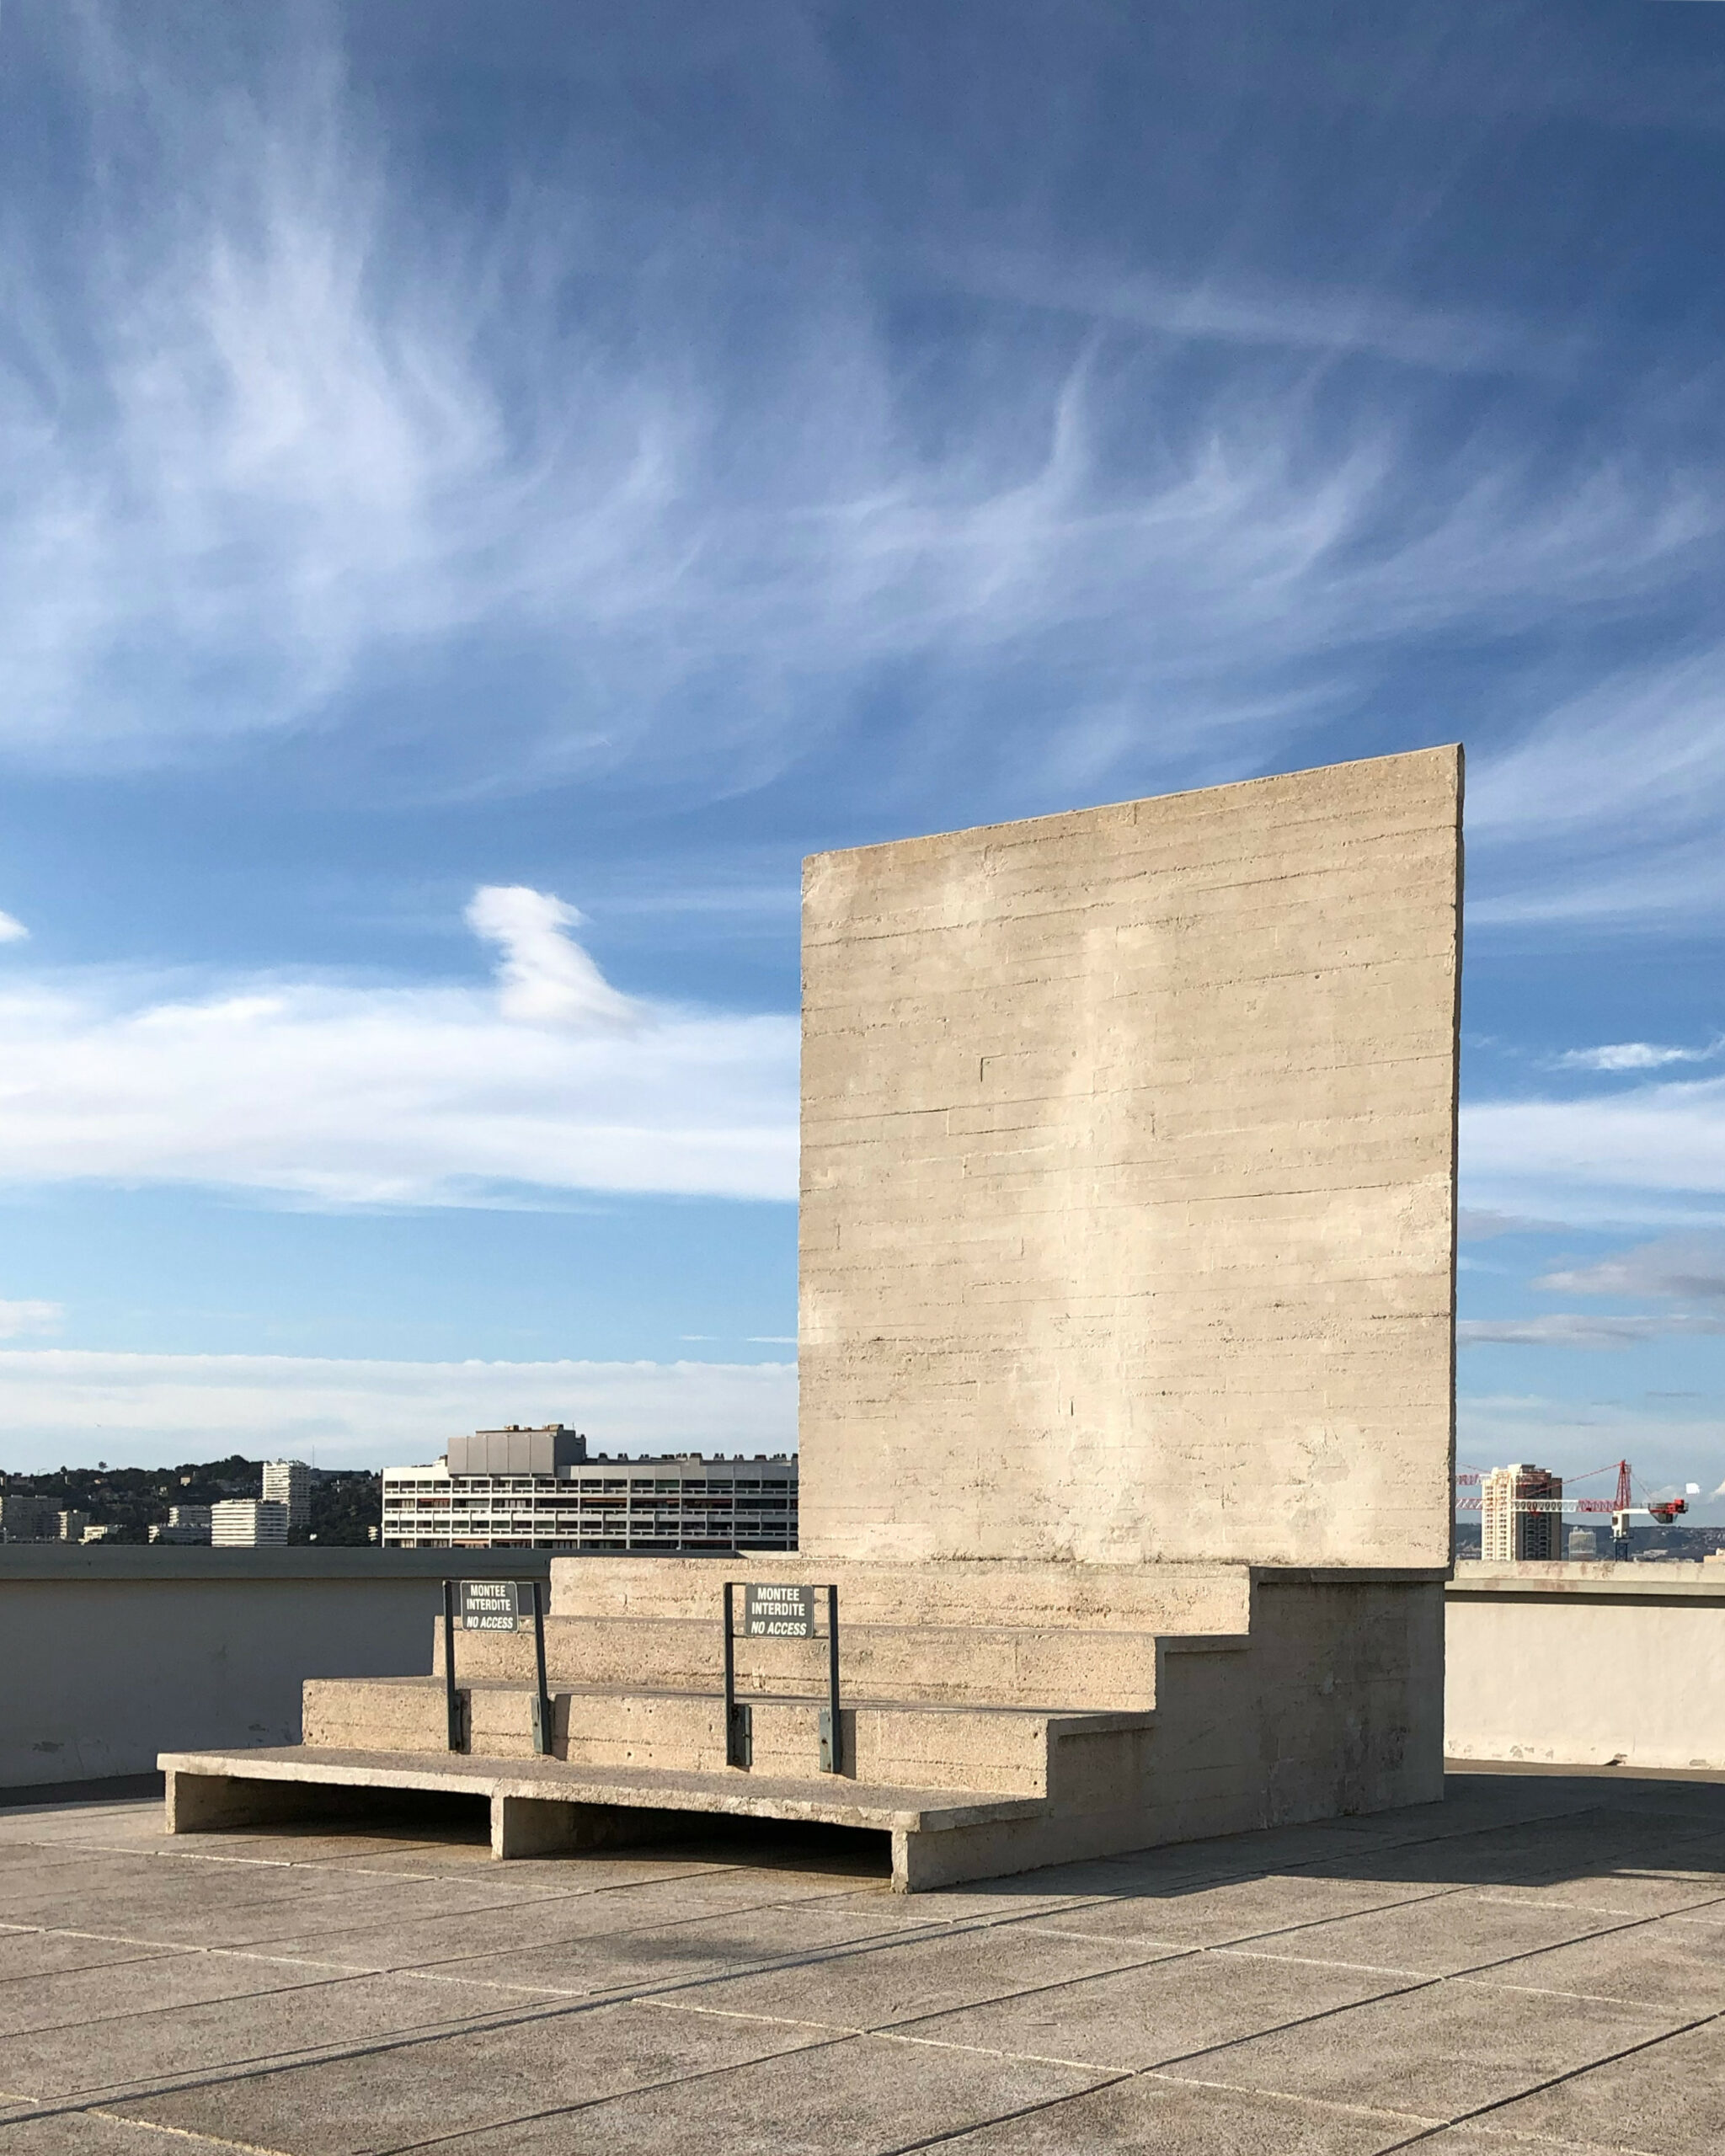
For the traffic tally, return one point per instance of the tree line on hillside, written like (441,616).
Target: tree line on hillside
(346,1503)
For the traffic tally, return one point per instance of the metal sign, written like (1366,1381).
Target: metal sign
(778,1613)
(495,1606)
(491,1606)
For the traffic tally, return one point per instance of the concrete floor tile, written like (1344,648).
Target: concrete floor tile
(1138,2018)
(541,1922)
(855,2098)
(1245,1909)
(1668,1965)
(471,2080)
(1163,2118)
(1622,1893)
(218,1908)
(708,1946)
(1440,2052)
(875,1986)
(79,1998)
(266,2026)
(1668,2099)
(1440,1936)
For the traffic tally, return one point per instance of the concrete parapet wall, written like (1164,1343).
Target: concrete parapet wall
(110,1656)
(1587,1664)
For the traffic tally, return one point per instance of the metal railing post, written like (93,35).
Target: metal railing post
(832,1727)
(542,1732)
(738,1729)
(452,1697)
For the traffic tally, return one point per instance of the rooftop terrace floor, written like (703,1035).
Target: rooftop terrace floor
(1536,1965)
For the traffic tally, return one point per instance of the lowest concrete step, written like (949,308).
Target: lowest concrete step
(544,1806)
(982,1665)
(1020,1751)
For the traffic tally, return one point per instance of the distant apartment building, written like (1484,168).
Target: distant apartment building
(1521,1514)
(248,1523)
(288,1482)
(70,1526)
(1581,1546)
(185,1523)
(26,1517)
(518,1489)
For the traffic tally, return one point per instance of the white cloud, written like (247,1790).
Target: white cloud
(64,1404)
(1682,1268)
(12,930)
(434,1094)
(1564,1329)
(1633,1056)
(546,976)
(1654,1155)
(19,1318)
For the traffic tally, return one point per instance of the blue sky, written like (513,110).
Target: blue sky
(486,491)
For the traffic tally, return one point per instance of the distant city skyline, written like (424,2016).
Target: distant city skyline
(487,495)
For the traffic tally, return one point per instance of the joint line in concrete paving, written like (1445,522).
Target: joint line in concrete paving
(1557,2081)
(1031,2110)
(183,2133)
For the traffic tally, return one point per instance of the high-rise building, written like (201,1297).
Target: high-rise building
(288,1482)
(1521,1514)
(69,1526)
(537,1489)
(248,1523)
(1582,1546)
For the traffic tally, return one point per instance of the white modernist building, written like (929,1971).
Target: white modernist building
(537,1489)
(288,1482)
(248,1523)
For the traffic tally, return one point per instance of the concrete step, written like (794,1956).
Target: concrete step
(894,1744)
(976,1665)
(1159,1597)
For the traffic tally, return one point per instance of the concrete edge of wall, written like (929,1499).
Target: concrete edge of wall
(1588,1582)
(77,1564)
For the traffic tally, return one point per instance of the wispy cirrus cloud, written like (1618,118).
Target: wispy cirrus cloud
(298,445)
(331,1093)
(1568,1329)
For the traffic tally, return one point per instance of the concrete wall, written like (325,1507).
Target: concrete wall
(109,1656)
(1586,1665)
(1129,1180)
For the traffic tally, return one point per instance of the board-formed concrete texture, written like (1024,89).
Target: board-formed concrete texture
(1128,1184)
(1127,1294)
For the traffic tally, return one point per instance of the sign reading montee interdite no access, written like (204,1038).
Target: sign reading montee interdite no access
(489,1606)
(778,1613)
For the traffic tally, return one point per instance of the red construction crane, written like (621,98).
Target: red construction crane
(1622,1507)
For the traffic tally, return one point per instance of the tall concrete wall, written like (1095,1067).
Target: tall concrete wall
(1129,1180)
